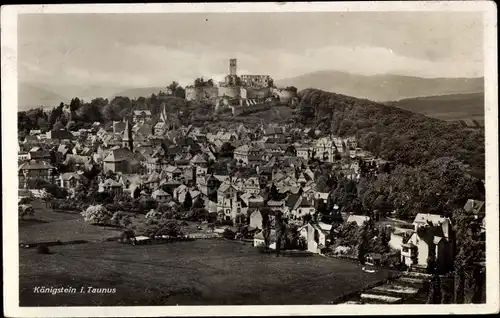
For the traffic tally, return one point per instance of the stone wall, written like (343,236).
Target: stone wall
(201,93)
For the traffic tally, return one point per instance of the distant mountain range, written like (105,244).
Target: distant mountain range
(32,96)
(376,87)
(138,92)
(383,87)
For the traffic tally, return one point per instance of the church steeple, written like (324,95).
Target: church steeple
(127,139)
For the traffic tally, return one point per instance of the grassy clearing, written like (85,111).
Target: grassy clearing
(203,272)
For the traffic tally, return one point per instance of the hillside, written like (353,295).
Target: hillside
(394,134)
(140,92)
(32,96)
(446,107)
(383,87)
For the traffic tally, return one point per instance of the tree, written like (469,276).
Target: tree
(266,226)
(280,226)
(74,104)
(137,192)
(42,124)
(97,214)
(434,294)
(164,227)
(198,204)
(306,113)
(188,201)
(25,210)
(226,150)
(58,125)
(228,234)
(126,221)
(117,218)
(273,193)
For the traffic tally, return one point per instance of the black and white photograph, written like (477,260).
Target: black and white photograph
(293,155)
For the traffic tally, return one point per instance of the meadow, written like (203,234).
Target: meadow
(199,272)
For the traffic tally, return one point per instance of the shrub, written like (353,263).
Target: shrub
(97,214)
(25,210)
(228,234)
(117,217)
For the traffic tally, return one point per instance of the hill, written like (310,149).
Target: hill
(33,96)
(392,133)
(446,107)
(140,92)
(383,87)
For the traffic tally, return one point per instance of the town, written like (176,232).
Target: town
(151,178)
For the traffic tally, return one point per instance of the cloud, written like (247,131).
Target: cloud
(153,50)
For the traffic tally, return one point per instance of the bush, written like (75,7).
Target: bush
(97,214)
(25,210)
(228,234)
(117,218)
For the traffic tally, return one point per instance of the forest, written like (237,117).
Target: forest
(393,133)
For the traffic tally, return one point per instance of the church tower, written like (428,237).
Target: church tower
(128,139)
(232,67)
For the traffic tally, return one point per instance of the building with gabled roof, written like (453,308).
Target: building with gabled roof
(36,169)
(315,236)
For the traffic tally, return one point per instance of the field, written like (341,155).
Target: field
(202,272)
(446,107)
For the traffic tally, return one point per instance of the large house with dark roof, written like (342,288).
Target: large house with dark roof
(35,170)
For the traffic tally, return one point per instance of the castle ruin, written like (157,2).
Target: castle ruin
(238,92)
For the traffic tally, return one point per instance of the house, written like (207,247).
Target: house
(61,134)
(252,200)
(35,170)
(23,156)
(130,182)
(119,127)
(424,219)
(255,220)
(315,236)
(276,205)
(173,173)
(160,128)
(121,160)
(258,239)
(211,183)
(154,180)
(111,186)
(431,238)
(397,237)
(160,196)
(181,191)
(476,207)
(297,206)
(325,149)
(37,153)
(248,154)
(201,165)
(141,115)
(229,204)
(251,185)
(358,219)
(71,180)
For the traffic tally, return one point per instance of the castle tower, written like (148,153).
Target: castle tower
(232,67)
(128,140)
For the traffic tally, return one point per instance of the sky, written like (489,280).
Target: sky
(145,50)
